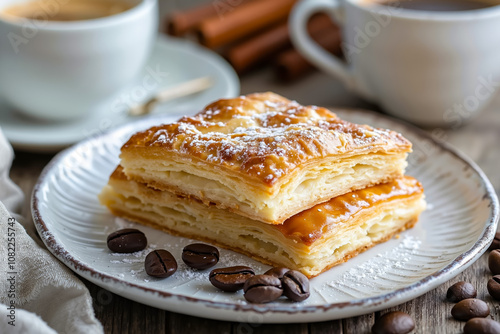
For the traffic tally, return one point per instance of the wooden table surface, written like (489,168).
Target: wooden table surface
(479,139)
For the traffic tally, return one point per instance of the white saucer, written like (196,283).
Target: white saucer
(181,59)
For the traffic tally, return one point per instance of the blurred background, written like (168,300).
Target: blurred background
(303,82)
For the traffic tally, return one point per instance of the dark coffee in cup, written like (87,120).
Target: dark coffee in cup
(440,5)
(66,10)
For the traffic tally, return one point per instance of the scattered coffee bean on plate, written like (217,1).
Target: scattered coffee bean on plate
(128,240)
(494,287)
(262,289)
(482,326)
(460,291)
(295,286)
(470,308)
(230,279)
(496,242)
(160,263)
(494,261)
(395,322)
(277,272)
(200,256)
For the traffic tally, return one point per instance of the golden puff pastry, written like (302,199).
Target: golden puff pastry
(311,241)
(263,156)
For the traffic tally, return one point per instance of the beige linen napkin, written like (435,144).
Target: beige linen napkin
(38,293)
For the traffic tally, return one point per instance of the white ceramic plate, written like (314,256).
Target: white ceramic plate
(172,62)
(455,230)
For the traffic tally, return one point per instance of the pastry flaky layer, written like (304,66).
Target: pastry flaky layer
(311,241)
(263,156)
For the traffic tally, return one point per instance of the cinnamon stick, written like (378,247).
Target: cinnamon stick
(290,64)
(244,20)
(261,47)
(248,53)
(181,22)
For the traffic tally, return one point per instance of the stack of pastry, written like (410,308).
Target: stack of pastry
(286,184)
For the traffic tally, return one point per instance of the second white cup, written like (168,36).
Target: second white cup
(431,68)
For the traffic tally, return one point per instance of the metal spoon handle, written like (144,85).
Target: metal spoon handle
(171,93)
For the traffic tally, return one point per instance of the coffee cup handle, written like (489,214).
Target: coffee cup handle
(327,62)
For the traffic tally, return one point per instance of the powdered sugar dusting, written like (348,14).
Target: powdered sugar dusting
(132,257)
(265,135)
(227,259)
(380,272)
(123,223)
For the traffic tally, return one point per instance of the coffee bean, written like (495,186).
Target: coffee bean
(277,272)
(230,279)
(395,322)
(128,240)
(496,242)
(200,256)
(460,291)
(470,308)
(160,263)
(494,261)
(262,289)
(482,326)
(295,286)
(494,287)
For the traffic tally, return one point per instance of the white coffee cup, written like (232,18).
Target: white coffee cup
(65,70)
(431,68)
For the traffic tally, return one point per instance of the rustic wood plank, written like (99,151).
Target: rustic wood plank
(26,169)
(121,315)
(112,310)
(361,324)
(179,324)
(279,329)
(147,319)
(334,326)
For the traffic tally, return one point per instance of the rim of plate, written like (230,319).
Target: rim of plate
(416,289)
